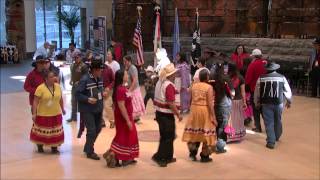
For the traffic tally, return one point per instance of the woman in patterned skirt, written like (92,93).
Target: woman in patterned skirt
(201,124)
(47,108)
(238,105)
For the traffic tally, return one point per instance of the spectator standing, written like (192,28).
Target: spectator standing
(255,70)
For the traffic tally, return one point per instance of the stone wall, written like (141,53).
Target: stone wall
(292,50)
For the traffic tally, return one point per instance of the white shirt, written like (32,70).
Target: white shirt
(114,65)
(41,51)
(69,55)
(196,74)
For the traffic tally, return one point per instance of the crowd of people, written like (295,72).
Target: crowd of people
(219,99)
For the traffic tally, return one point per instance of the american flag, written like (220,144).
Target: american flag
(137,42)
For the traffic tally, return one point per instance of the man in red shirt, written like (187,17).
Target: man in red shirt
(35,77)
(255,70)
(166,105)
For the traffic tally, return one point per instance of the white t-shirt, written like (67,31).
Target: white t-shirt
(196,74)
(41,51)
(114,65)
(69,55)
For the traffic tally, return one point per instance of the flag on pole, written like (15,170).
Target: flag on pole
(176,38)
(157,35)
(137,42)
(196,49)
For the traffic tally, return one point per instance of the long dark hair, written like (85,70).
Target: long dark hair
(244,49)
(118,81)
(220,79)
(182,57)
(233,70)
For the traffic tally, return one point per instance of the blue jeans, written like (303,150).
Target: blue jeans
(272,121)
(222,116)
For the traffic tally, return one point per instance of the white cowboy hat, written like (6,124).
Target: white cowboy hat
(168,70)
(150,69)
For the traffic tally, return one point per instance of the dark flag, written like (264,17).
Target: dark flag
(196,48)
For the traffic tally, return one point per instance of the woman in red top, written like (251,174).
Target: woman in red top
(125,144)
(239,55)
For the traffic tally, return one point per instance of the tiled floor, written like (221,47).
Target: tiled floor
(296,156)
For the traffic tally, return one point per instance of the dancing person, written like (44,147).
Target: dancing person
(47,129)
(271,90)
(134,89)
(149,84)
(125,144)
(182,81)
(201,124)
(90,99)
(108,82)
(166,104)
(238,105)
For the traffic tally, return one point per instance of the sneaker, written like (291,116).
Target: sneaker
(93,156)
(270,146)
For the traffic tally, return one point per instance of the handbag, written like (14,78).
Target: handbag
(229,130)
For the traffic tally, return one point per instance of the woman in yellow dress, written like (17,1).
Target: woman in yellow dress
(47,113)
(201,124)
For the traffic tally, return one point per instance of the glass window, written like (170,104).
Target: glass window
(48,30)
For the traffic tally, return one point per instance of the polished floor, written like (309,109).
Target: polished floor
(296,156)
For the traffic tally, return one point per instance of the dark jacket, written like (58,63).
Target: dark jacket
(90,87)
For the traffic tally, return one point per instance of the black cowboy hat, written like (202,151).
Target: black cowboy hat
(39,58)
(316,40)
(272,66)
(96,64)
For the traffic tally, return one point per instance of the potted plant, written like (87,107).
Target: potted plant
(70,19)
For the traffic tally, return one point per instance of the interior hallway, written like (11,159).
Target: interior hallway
(296,156)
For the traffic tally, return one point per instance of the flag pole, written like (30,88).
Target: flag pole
(157,35)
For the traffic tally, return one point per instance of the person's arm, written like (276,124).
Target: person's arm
(124,113)
(134,80)
(34,107)
(81,97)
(248,77)
(62,105)
(210,96)
(287,93)
(27,84)
(243,95)
(170,98)
(257,94)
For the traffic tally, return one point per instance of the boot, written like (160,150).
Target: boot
(40,148)
(193,155)
(205,159)
(54,150)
